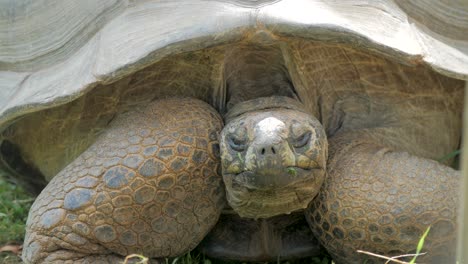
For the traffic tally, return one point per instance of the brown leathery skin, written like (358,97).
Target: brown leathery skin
(148,185)
(254,71)
(273,161)
(382,200)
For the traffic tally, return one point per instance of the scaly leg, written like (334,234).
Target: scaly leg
(382,201)
(149,185)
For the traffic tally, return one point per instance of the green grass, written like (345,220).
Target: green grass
(14,207)
(292,171)
(454,156)
(420,245)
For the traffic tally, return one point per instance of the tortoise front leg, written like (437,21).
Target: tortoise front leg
(149,185)
(382,201)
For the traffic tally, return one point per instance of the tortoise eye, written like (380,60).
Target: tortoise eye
(302,140)
(236,143)
(237,139)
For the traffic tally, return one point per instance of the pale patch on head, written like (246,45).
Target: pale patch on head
(270,127)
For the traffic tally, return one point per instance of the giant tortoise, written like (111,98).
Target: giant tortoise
(255,130)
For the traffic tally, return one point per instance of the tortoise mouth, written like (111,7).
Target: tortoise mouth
(255,196)
(265,203)
(272,178)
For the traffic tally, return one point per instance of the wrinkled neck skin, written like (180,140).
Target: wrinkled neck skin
(253,71)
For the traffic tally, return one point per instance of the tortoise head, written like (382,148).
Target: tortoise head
(273,157)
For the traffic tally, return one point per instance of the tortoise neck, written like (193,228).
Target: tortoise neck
(254,71)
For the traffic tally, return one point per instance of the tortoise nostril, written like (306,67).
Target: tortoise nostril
(268,150)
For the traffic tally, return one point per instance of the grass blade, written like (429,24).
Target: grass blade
(420,245)
(450,155)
